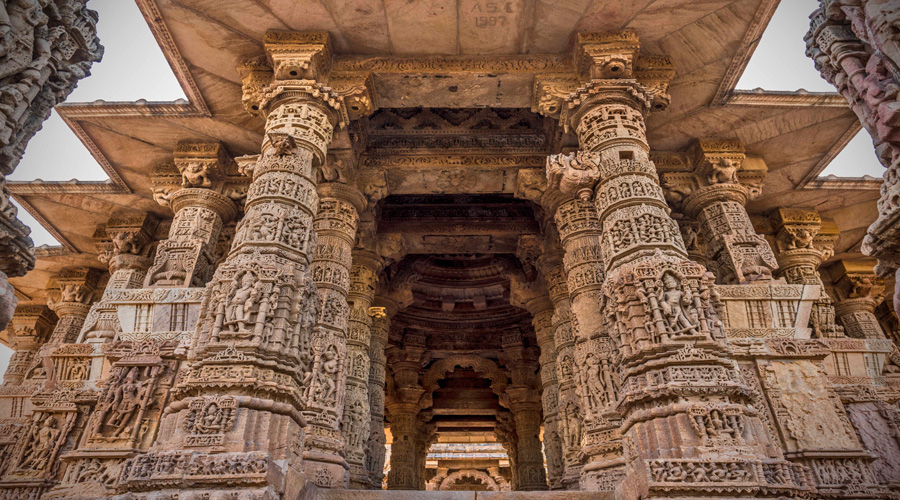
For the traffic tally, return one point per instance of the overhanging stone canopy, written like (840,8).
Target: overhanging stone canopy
(481,246)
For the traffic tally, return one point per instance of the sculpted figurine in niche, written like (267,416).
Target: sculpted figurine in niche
(572,422)
(326,376)
(240,305)
(124,402)
(673,300)
(598,392)
(43,438)
(354,430)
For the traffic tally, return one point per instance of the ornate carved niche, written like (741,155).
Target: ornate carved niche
(132,398)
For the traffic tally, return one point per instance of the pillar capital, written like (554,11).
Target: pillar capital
(855,282)
(200,175)
(802,240)
(604,57)
(712,170)
(72,291)
(124,241)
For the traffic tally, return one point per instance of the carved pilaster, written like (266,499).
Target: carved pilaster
(202,192)
(802,242)
(713,188)
(858,291)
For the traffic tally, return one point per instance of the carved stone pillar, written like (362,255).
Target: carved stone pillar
(569,416)
(125,244)
(256,359)
(403,408)
(424,438)
(658,308)
(859,291)
(357,406)
(533,297)
(375,446)
(70,299)
(714,192)
(199,189)
(803,243)
(525,403)
(335,224)
(855,48)
(505,430)
(42,65)
(29,329)
(595,381)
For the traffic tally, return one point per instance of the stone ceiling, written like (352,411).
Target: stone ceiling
(450,54)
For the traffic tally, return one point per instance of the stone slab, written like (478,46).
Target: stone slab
(395,495)
(545,495)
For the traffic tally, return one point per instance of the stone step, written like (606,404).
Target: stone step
(461,495)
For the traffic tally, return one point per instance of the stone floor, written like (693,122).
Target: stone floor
(461,495)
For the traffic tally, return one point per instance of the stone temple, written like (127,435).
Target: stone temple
(467,247)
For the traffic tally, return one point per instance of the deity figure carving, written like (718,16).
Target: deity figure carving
(723,171)
(45,432)
(240,302)
(124,402)
(676,304)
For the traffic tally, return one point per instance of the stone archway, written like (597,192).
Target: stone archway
(476,475)
(483,366)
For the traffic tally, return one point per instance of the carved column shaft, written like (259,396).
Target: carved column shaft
(255,351)
(569,422)
(717,198)
(357,406)
(404,447)
(71,302)
(543,327)
(656,304)
(859,291)
(336,224)
(803,244)
(375,453)
(196,193)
